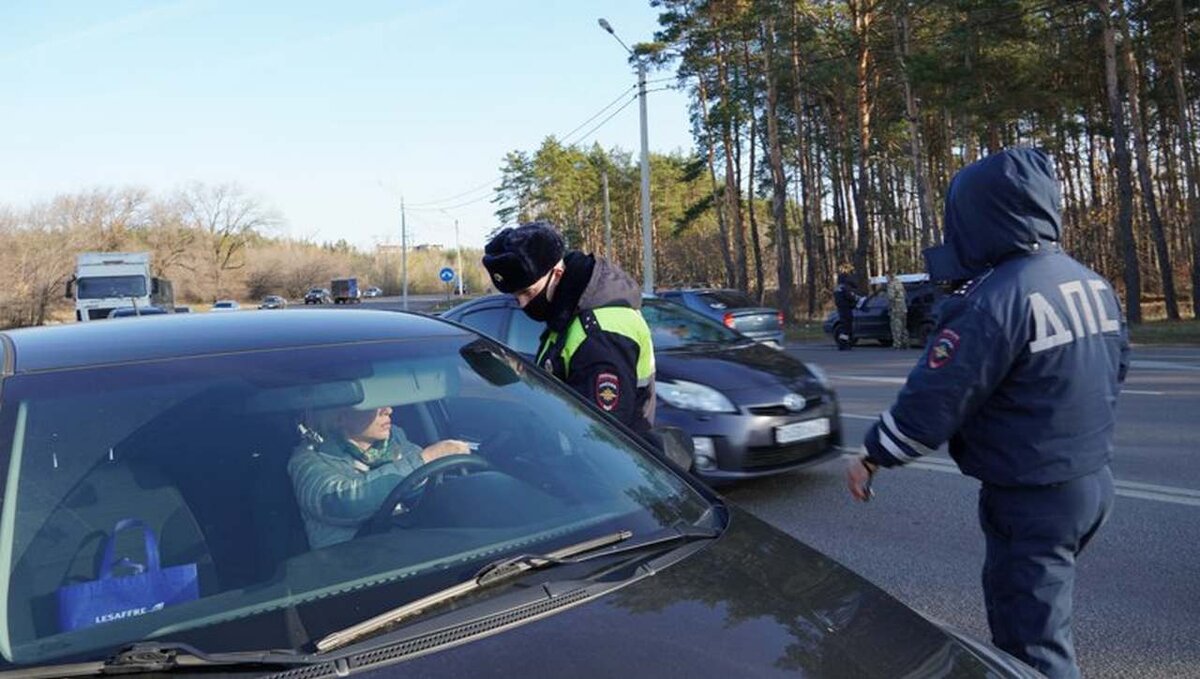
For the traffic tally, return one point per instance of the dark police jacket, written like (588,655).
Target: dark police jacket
(1022,373)
(597,341)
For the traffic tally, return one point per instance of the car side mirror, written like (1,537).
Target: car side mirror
(497,369)
(69,293)
(676,446)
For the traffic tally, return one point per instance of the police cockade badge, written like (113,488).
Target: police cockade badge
(943,348)
(498,278)
(608,391)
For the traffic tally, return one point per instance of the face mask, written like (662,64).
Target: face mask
(538,308)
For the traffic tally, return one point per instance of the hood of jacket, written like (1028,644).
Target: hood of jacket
(590,282)
(1004,205)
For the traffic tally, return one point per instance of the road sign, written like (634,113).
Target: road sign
(446,274)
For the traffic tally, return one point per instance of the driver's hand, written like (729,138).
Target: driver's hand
(444,448)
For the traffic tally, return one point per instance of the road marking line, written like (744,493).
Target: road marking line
(1162,365)
(870,378)
(901,380)
(1133,489)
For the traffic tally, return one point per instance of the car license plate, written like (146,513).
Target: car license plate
(802,431)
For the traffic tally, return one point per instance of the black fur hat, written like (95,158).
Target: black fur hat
(515,258)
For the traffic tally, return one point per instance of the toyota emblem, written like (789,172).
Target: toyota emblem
(794,402)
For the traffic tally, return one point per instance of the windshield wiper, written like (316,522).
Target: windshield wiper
(490,574)
(164,657)
(504,569)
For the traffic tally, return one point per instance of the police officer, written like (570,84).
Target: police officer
(595,339)
(845,297)
(1021,376)
(897,311)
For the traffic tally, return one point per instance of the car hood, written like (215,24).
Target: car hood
(730,369)
(755,603)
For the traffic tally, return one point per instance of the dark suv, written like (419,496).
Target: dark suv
(873,320)
(318,296)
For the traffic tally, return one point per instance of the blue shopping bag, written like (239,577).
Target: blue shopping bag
(151,588)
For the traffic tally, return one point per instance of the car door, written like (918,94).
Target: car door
(871,319)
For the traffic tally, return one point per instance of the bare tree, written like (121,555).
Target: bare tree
(228,219)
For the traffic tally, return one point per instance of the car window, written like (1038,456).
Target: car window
(524,333)
(487,321)
(673,327)
(235,465)
(726,299)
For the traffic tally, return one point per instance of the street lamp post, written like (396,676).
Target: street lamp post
(404,252)
(647,239)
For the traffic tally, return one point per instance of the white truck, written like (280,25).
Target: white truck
(105,281)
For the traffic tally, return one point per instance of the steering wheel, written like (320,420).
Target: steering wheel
(410,489)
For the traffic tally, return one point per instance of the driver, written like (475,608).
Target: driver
(341,482)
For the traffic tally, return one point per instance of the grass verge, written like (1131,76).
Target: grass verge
(1166,332)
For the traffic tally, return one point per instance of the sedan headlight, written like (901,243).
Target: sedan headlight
(692,396)
(819,374)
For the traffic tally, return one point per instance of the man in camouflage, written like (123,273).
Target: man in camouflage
(898,310)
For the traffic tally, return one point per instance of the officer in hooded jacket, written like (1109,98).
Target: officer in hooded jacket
(1021,377)
(595,339)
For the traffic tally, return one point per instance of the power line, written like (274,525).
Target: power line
(599,113)
(433,205)
(601,124)
(485,185)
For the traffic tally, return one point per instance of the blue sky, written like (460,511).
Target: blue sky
(326,111)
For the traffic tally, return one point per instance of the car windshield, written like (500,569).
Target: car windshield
(675,327)
(726,299)
(244,476)
(99,287)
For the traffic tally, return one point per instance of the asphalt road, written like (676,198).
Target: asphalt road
(1138,586)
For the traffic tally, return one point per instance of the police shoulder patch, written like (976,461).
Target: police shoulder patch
(608,391)
(943,348)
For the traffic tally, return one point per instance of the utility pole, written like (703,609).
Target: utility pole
(608,251)
(404,252)
(647,239)
(458,250)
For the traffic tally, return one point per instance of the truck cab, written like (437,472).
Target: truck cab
(105,281)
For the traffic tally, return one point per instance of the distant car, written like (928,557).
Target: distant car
(273,302)
(873,318)
(226,305)
(183,309)
(750,410)
(132,312)
(735,310)
(372,292)
(318,296)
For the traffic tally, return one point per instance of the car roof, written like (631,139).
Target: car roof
(76,345)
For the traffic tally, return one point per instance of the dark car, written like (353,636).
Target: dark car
(735,310)
(318,296)
(750,410)
(273,302)
(151,526)
(873,318)
(134,312)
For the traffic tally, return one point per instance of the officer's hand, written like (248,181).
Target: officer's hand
(444,448)
(859,471)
